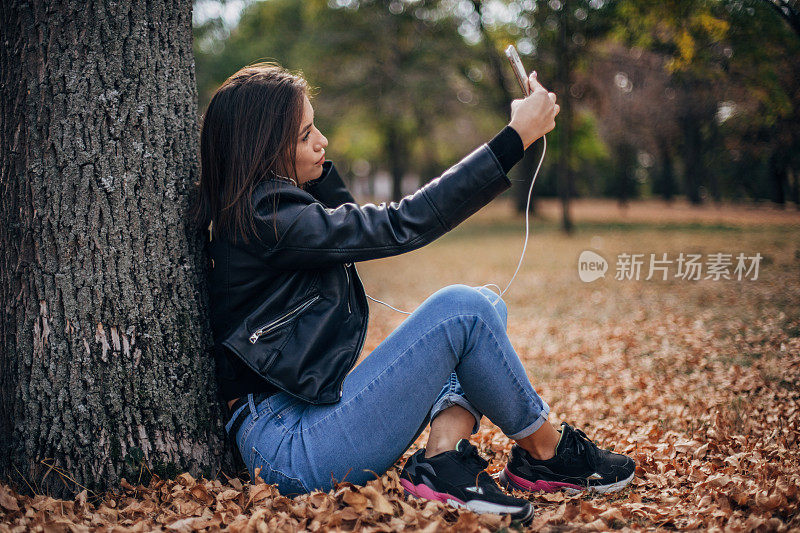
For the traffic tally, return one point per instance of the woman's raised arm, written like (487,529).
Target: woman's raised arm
(311,235)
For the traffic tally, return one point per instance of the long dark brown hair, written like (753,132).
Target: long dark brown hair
(249,131)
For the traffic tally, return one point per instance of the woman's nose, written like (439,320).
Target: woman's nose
(323,142)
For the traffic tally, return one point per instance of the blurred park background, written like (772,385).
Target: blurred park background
(679,133)
(683,103)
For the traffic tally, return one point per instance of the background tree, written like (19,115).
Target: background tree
(386,88)
(712,110)
(490,33)
(789,10)
(737,93)
(764,125)
(393,60)
(103,331)
(555,38)
(632,94)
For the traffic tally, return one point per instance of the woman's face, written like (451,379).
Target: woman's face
(310,147)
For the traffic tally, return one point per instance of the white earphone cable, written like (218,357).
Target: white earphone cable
(527,211)
(387,305)
(524,246)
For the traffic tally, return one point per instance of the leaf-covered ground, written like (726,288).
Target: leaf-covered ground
(699,381)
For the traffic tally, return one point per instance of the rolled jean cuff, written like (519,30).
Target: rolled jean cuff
(531,428)
(451,399)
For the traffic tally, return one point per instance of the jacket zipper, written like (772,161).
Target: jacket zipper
(361,339)
(263,330)
(347,273)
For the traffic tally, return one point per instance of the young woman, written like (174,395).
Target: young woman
(289,315)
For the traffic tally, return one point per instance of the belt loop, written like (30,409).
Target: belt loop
(252,406)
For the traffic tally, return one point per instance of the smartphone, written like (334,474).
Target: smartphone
(519,70)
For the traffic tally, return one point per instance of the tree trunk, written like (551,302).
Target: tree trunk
(712,143)
(396,150)
(103,330)
(692,159)
(564,129)
(666,174)
(777,174)
(625,186)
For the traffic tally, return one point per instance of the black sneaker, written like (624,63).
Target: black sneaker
(458,478)
(577,465)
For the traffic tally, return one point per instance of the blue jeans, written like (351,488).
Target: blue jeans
(453,350)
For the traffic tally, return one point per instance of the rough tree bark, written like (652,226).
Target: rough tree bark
(103,329)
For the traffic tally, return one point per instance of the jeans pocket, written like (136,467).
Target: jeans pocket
(287,485)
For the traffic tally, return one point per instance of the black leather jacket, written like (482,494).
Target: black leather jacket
(293,307)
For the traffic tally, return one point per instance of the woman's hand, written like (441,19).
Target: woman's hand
(534,115)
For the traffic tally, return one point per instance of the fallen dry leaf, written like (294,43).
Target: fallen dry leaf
(698,381)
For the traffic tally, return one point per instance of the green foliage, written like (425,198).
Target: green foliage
(719,55)
(383,87)
(590,159)
(411,86)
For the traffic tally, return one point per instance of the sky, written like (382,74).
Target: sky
(229,11)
